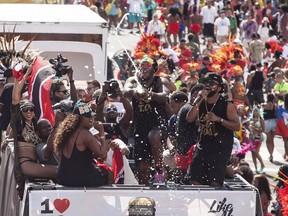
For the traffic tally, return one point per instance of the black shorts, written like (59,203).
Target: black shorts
(207,168)
(208,30)
(142,146)
(255,96)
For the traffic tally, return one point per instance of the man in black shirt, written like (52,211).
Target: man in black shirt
(217,119)
(149,95)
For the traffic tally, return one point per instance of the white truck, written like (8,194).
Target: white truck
(75,31)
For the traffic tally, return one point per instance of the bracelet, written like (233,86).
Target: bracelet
(102,137)
(71,81)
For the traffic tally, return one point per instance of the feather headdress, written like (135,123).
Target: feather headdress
(148,45)
(11,59)
(274,46)
(224,54)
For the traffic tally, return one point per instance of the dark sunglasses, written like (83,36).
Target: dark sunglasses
(211,83)
(89,88)
(64,91)
(108,109)
(25,109)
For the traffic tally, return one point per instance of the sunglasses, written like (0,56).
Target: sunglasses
(109,109)
(211,83)
(64,91)
(26,109)
(89,88)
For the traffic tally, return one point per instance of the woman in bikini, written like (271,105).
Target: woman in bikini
(23,124)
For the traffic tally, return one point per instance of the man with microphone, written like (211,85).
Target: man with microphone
(218,119)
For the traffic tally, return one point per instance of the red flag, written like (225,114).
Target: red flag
(39,87)
(118,166)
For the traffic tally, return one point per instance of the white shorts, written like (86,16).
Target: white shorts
(270,125)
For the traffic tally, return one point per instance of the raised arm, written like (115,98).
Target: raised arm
(125,122)
(194,111)
(164,90)
(73,93)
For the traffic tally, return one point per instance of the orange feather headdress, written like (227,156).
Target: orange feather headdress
(224,54)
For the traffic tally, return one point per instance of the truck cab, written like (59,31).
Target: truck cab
(74,31)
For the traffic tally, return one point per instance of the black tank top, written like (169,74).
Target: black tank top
(79,170)
(269,114)
(149,114)
(257,81)
(223,141)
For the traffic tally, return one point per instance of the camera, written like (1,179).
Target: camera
(113,85)
(58,66)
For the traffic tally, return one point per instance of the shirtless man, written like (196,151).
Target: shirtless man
(239,92)
(173,26)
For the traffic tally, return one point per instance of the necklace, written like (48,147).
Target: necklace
(212,106)
(29,126)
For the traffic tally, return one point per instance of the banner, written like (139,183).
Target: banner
(132,202)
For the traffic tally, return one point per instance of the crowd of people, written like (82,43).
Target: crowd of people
(184,114)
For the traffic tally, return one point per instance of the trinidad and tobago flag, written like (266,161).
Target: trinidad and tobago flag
(118,166)
(39,86)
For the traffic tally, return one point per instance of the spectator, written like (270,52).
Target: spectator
(172,55)
(247,173)
(258,14)
(196,25)
(183,51)
(256,129)
(173,27)
(209,14)
(278,61)
(284,45)
(44,149)
(263,30)
(248,27)
(255,82)
(92,86)
(209,49)
(270,121)
(283,20)
(262,184)
(155,27)
(176,100)
(281,87)
(282,122)
(108,113)
(113,12)
(268,11)
(58,91)
(194,47)
(256,47)
(233,22)
(81,94)
(77,145)
(135,12)
(222,28)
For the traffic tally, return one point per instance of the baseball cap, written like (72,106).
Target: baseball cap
(215,77)
(26,103)
(83,109)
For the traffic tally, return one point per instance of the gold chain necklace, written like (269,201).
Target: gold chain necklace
(212,106)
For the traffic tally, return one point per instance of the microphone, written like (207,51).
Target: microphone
(197,99)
